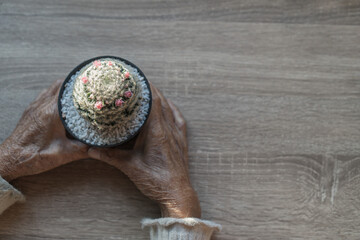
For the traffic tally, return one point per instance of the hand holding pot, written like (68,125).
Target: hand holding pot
(158,162)
(39,142)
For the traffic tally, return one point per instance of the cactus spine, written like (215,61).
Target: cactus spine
(105,93)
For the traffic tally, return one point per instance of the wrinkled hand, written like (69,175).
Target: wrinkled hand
(39,142)
(158,162)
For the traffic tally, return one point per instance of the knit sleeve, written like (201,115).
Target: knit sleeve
(180,228)
(8,195)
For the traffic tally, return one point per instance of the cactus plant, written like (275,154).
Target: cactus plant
(105,93)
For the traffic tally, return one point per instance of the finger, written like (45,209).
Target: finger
(51,100)
(166,110)
(113,156)
(52,90)
(181,124)
(49,107)
(179,118)
(155,96)
(144,133)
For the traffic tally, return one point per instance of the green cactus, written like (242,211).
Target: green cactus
(105,92)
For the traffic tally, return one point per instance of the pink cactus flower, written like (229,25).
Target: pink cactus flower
(128,94)
(119,102)
(127,75)
(85,80)
(99,105)
(97,63)
(110,63)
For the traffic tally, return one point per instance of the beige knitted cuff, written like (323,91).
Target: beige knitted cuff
(8,195)
(180,228)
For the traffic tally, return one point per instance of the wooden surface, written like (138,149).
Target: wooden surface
(270,90)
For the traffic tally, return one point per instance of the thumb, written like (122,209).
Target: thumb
(77,149)
(113,156)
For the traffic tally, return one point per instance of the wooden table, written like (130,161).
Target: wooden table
(270,90)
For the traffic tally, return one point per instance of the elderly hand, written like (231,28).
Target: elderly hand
(39,142)
(158,162)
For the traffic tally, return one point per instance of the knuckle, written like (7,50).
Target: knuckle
(159,133)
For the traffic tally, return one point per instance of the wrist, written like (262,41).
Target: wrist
(183,206)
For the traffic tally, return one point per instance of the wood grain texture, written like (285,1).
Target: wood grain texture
(273,112)
(280,11)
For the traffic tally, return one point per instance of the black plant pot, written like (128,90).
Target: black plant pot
(78,68)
